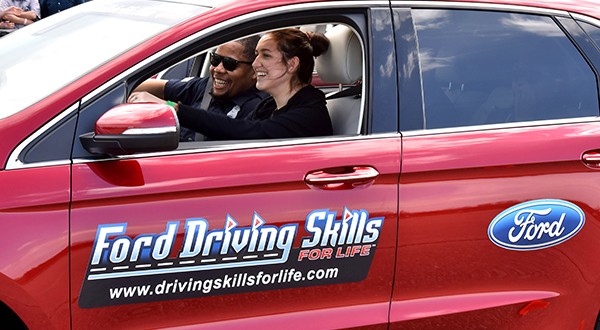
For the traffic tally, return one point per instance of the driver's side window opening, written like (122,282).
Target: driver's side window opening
(338,73)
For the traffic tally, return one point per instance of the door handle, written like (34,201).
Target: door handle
(340,178)
(591,159)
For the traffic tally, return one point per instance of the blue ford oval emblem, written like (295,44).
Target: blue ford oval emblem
(536,224)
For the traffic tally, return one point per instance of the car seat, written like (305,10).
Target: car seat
(342,64)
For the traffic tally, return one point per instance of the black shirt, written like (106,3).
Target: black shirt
(50,7)
(304,115)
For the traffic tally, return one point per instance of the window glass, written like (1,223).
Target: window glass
(492,67)
(56,51)
(593,31)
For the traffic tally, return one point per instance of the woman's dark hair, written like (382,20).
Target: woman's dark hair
(306,46)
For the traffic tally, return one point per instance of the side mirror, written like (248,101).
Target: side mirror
(134,128)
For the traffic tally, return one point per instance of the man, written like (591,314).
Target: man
(5,24)
(51,7)
(20,12)
(232,81)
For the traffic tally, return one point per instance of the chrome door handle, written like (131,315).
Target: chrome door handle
(591,159)
(339,178)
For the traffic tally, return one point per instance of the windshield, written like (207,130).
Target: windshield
(42,58)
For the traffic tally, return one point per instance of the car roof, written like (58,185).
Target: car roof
(585,7)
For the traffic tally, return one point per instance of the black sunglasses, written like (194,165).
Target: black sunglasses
(230,64)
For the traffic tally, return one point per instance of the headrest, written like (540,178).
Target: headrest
(342,62)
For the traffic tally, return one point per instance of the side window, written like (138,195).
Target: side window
(593,31)
(492,67)
(337,72)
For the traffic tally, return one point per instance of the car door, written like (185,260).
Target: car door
(263,234)
(42,78)
(498,197)
(35,246)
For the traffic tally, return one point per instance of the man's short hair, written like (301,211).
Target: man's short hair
(249,44)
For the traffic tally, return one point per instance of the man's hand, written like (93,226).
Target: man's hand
(7,25)
(139,97)
(14,11)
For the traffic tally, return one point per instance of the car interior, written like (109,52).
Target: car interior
(338,73)
(342,64)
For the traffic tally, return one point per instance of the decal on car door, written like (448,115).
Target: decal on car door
(536,224)
(231,259)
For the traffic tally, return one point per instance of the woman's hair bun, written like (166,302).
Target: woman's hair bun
(319,43)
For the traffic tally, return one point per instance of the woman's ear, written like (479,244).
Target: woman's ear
(293,64)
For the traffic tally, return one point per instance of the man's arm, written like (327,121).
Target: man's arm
(19,16)
(35,12)
(155,87)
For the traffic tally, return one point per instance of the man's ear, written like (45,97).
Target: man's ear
(293,64)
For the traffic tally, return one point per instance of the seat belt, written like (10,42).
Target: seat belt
(206,98)
(351,91)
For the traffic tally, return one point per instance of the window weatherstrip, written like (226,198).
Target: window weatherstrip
(14,162)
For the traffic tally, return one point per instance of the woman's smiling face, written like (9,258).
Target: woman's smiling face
(269,66)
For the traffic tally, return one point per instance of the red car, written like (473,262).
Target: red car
(460,190)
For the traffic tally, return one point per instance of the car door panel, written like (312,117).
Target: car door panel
(34,220)
(448,267)
(160,196)
(497,222)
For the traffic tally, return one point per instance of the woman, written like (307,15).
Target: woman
(283,68)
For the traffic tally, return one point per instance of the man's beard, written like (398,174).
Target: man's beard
(218,97)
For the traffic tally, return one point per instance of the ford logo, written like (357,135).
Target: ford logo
(536,224)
